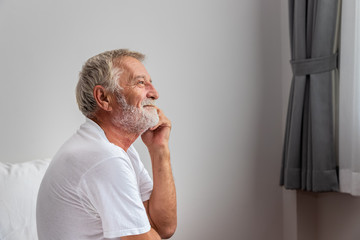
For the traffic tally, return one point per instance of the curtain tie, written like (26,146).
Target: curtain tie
(314,65)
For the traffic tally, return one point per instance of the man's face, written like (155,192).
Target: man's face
(136,100)
(136,82)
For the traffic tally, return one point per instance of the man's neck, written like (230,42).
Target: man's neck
(116,135)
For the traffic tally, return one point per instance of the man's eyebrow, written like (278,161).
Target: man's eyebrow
(142,76)
(139,76)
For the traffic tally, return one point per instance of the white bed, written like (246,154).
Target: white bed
(19,185)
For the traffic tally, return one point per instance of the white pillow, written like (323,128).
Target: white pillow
(19,186)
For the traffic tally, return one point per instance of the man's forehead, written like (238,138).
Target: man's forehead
(127,62)
(133,68)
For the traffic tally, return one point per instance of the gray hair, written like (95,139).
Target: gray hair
(103,69)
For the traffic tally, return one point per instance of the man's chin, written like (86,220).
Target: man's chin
(154,123)
(152,117)
(138,122)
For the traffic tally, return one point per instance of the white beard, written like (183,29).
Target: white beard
(133,119)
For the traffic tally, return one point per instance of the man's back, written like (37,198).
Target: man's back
(93,189)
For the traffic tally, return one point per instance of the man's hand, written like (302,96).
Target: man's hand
(157,137)
(161,207)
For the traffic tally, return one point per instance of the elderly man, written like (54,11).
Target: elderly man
(96,186)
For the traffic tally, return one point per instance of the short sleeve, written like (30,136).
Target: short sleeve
(145,185)
(144,180)
(112,190)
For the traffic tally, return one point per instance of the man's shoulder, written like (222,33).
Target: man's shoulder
(80,153)
(86,149)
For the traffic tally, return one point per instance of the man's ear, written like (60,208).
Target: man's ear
(102,98)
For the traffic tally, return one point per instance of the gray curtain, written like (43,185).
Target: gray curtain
(310,146)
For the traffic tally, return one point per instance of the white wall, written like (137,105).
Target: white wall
(338,216)
(217,67)
(328,216)
(290,216)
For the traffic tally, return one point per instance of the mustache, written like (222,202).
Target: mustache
(148,101)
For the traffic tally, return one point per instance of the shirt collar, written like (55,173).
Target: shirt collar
(96,127)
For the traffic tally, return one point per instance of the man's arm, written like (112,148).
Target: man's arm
(161,207)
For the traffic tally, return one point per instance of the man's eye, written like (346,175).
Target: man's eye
(141,82)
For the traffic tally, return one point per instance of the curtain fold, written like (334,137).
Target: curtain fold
(309,159)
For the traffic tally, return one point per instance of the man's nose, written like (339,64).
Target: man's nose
(152,93)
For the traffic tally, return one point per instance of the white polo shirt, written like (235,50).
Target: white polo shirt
(93,189)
